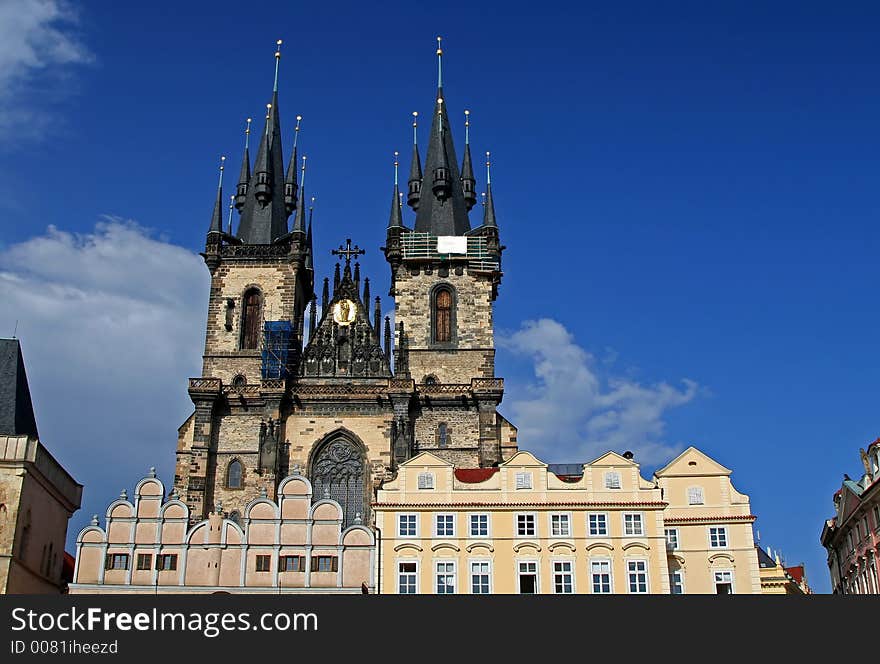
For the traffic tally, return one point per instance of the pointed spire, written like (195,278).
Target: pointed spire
(263,166)
(357,276)
(439,64)
(489,204)
(377,312)
(217,217)
(396,218)
(310,261)
(367,297)
(277,62)
(441,185)
(300,225)
(336,279)
(387,337)
(244,176)
(468,182)
(290,186)
(313,318)
(415,169)
(325,294)
(231,207)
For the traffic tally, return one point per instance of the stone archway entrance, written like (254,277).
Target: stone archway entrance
(338,472)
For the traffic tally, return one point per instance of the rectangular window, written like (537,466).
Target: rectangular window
(479,525)
(144,561)
(718,537)
(325,563)
(637,575)
(676,582)
(724,583)
(695,495)
(407,525)
(445,578)
(442,435)
(167,561)
(598,525)
(563,581)
(264,563)
(600,576)
(445,525)
(612,480)
(525,525)
(480,578)
(876,512)
(528,578)
(671,538)
(560,525)
(116,561)
(292,563)
(426,480)
(407,574)
(523,480)
(632,525)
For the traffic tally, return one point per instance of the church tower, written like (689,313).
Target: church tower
(444,280)
(294,385)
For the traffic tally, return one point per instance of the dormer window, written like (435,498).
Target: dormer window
(695,495)
(426,480)
(612,480)
(523,480)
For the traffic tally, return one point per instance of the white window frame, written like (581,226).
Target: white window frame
(612,478)
(673,541)
(695,495)
(720,529)
(408,561)
(640,521)
(537,565)
(479,561)
(524,480)
(605,521)
(415,515)
(488,524)
(534,518)
(598,561)
(444,515)
(571,572)
(426,481)
(564,517)
(672,574)
(732,580)
(446,561)
(644,562)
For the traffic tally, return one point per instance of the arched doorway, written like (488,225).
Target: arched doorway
(338,471)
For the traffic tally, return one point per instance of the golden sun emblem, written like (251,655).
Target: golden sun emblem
(344,312)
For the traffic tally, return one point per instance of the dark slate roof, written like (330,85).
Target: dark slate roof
(566,468)
(447,217)
(264,224)
(764,559)
(16,409)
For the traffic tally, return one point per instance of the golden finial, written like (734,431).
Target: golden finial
(231,205)
(484,198)
(222,159)
(247,133)
(439,63)
(488,175)
(302,179)
(277,60)
(467,126)
(296,130)
(312,204)
(415,124)
(396,163)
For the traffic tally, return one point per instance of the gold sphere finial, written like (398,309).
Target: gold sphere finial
(299,118)
(439,48)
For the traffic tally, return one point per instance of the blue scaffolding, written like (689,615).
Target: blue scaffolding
(276,346)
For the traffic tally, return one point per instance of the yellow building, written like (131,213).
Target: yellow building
(526,527)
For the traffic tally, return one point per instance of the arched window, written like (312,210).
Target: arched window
(443,315)
(235,516)
(251,319)
(233,475)
(338,473)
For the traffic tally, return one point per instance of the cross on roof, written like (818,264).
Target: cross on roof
(348,251)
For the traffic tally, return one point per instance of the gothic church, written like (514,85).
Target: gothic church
(343,401)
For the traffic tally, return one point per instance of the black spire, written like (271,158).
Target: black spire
(244,176)
(16,409)
(396,218)
(290,186)
(325,295)
(264,216)
(367,298)
(336,279)
(443,212)
(377,313)
(217,217)
(489,205)
(387,337)
(310,261)
(415,170)
(313,317)
(299,226)
(468,182)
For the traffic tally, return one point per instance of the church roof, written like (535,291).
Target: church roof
(16,409)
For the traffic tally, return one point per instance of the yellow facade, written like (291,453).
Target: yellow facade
(522,528)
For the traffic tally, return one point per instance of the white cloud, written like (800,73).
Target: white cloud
(571,413)
(37,46)
(111,325)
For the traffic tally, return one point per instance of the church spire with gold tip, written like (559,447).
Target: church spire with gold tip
(415,169)
(396,218)
(244,176)
(217,217)
(299,225)
(468,182)
(290,186)
(489,205)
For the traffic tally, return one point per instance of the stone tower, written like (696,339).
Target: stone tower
(329,399)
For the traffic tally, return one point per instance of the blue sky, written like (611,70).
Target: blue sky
(687,194)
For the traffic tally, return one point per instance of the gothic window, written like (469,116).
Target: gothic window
(251,319)
(338,473)
(239,381)
(233,475)
(443,315)
(442,435)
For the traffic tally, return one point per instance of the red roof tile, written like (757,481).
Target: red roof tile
(474,475)
(796,572)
